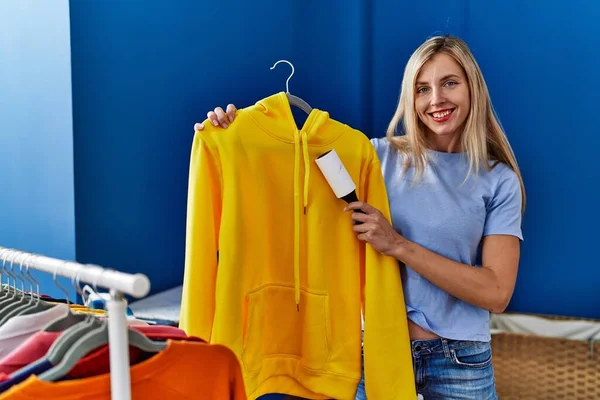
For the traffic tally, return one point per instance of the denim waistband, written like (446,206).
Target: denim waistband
(442,345)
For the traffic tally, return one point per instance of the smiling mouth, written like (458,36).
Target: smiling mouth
(442,116)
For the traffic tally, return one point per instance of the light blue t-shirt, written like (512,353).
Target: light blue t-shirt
(450,218)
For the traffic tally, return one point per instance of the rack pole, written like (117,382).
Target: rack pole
(120,380)
(119,283)
(137,285)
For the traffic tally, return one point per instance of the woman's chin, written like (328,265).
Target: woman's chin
(443,133)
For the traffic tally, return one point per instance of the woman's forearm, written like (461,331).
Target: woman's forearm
(475,285)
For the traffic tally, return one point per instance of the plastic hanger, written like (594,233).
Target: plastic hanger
(73,325)
(8,292)
(18,298)
(70,318)
(94,340)
(35,304)
(4,289)
(82,324)
(40,305)
(70,337)
(294,100)
(24,302)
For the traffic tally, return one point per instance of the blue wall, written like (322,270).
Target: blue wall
(36,136)
(543,72)
(141,79)
(541,64)
(398,29)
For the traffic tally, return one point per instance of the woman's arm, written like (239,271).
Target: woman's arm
(489,287)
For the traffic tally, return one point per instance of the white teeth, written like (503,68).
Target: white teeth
(441,114)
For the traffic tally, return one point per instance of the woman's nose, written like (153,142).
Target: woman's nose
(437,97)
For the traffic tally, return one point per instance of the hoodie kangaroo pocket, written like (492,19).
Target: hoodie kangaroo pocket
(275,328)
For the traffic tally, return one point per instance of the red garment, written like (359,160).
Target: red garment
(95,363)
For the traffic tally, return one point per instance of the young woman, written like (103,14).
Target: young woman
(457,197)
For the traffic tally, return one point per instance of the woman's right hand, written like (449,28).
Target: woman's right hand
(218,117)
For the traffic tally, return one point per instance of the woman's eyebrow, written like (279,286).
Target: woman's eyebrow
(442,79)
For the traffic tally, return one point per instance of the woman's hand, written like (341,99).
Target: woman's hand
(372,227)
(219,117)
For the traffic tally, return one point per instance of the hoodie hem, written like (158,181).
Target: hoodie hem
(290,377)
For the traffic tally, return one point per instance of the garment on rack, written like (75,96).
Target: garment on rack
(34,369)
(95,363)
(184,370)
(38,345)
(96,308)
(19,328)
(292,277)
(52,300)
(98,361)
(79,309)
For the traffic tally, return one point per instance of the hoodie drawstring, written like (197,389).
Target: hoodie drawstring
(306,168)
(299,139)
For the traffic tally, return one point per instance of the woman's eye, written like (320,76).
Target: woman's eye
(421,90)
(450,83)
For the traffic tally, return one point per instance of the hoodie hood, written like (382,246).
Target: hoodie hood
(274,115)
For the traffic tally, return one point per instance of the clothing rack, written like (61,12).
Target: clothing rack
(119,284)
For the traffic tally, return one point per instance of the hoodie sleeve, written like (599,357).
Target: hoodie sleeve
(387,352)
(202,233)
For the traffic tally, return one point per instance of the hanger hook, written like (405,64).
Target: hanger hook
(25,261)
(32,278)
(3,259)
(94,287)
(77,286)
(10,254)
(11,274)
(76,282)
(4,251)
(4,255)
(22,278)
(97,278)
(287,82)
(62,288)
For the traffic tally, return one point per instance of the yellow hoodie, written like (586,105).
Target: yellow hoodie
(273,268)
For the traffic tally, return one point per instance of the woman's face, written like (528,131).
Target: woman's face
(442,98)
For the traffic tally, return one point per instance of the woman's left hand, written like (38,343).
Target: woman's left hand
(373,228)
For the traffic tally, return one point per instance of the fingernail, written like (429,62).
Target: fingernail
(230,118)
(225,126)
(215,123)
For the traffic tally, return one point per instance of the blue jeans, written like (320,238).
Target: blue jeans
(450,369)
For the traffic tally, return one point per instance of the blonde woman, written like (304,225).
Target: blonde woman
(457,197)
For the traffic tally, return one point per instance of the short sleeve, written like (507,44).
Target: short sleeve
(381,146)
(504,210)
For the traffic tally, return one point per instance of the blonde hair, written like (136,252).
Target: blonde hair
(483,138)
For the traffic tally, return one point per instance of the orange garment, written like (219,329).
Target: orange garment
(184,370)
